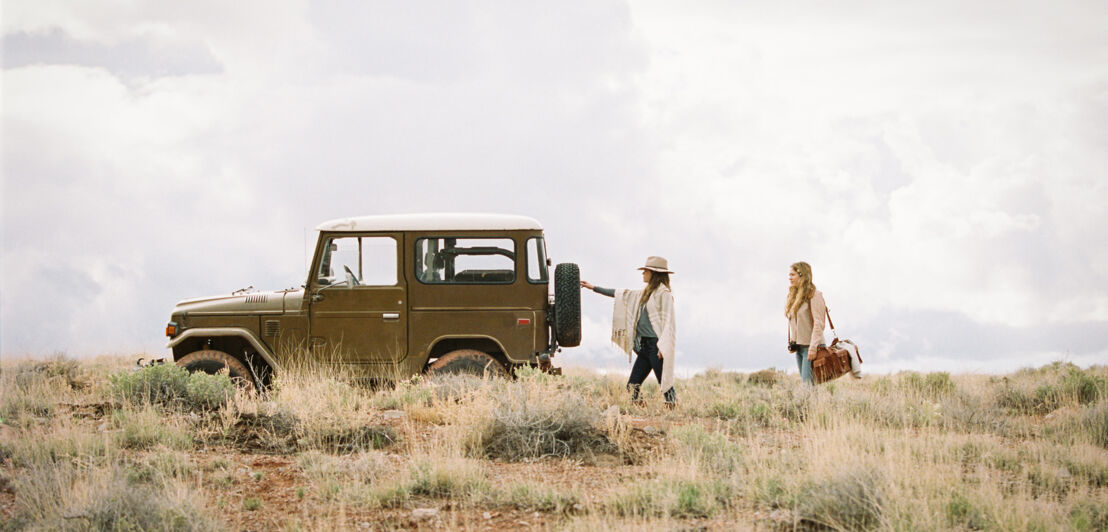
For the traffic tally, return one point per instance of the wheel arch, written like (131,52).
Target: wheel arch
(234,341)
(447,343)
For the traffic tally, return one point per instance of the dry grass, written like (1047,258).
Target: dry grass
(321,450)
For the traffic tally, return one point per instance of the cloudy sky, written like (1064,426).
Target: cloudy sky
(942,165)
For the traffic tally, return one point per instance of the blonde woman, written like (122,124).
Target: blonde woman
(643,322)
(805,310)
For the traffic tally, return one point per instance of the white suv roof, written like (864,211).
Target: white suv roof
(431,222)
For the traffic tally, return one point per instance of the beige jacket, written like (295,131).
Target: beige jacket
(806,328)
(625,316)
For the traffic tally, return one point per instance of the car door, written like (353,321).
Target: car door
(358,302)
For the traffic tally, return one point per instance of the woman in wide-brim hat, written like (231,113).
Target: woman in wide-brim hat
(644,322)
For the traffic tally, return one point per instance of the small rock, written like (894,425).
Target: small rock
(487,515)
(650,429)
(577,507)
(394,414)
(535,515)
(363,524)
(612,411)
(524,523)
(422,514)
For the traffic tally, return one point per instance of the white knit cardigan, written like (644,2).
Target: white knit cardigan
(625,317)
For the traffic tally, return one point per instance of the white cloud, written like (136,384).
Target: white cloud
(941,159)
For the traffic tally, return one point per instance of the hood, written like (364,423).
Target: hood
(280,301)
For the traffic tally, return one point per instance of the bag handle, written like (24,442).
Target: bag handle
(834,335)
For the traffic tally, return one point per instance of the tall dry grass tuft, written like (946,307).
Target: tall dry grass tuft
(851,500)
(533,417)
(313,404)
(66,496)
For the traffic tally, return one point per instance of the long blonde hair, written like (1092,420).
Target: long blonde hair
(802,291)
(656,279)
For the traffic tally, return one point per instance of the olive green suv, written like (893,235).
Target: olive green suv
(395,296)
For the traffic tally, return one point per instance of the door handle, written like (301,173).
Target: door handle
(391,315)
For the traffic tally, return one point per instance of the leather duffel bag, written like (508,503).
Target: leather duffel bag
(830,362)
(834,361)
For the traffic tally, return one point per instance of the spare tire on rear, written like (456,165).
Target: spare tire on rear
(567,304)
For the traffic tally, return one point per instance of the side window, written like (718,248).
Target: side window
(537,271)
(443,260)
(359,260)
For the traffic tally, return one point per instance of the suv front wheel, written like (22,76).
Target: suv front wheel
(211,361)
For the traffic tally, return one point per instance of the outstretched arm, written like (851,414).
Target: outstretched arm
(610,292)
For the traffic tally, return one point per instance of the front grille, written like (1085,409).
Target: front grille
(272,328)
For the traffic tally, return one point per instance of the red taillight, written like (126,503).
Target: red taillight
(524,321)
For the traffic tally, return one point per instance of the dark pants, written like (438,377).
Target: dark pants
(647,360)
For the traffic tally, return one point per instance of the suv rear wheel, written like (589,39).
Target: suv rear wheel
(211,361)
(470,361)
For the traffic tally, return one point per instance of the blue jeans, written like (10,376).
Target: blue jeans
(804,364)
(646,361)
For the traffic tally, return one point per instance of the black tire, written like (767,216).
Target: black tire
(567,304)
(467,361)
(211,361)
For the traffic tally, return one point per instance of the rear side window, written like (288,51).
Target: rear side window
(449,260)
(537,271)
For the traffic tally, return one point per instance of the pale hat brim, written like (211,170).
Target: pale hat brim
(656,264)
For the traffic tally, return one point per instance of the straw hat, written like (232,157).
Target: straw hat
(657,264)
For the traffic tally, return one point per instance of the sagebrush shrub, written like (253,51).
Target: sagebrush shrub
(529,422)
(158,383)
(170,384)
(209,392)
(853,500)
(712,451)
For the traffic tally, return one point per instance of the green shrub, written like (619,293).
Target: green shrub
(528,423)
(672,497)
(530,498)
(354,439)
(933,385)
(158,383)
(47,499)
(170,384)
(146,428)
(1089,515)
(727,410)
(710,450)
(960,511)
(850,501)
(1080,387)
(209,392)
(452,479)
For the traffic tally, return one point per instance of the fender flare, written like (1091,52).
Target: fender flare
(245,334)
(431,345)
